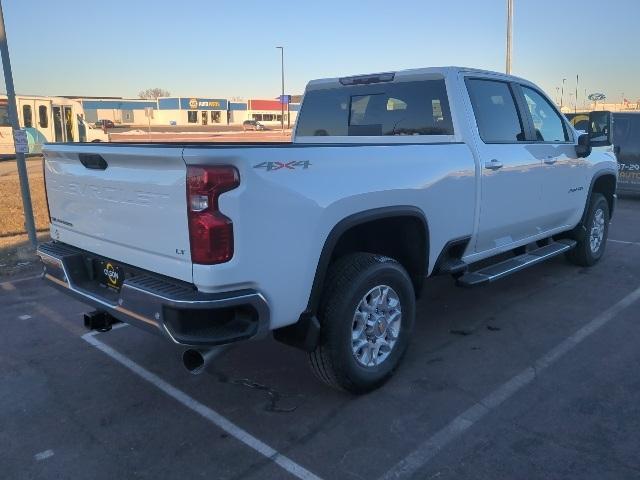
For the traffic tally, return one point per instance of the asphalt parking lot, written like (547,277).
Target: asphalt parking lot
(534,376)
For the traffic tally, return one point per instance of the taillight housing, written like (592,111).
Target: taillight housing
(210,232)
(46,194)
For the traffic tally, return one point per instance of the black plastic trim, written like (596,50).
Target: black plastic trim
(593,182)
(304,334)
(349,222)
(461,242)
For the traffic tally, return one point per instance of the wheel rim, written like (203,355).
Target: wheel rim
(376,326)
(597,231)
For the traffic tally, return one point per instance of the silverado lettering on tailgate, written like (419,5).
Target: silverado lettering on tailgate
(110,194)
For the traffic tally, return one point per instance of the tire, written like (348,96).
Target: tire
(590,249)
(353,285)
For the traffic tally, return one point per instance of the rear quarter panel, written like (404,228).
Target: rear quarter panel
(291,197)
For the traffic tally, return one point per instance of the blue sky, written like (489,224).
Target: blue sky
(226,48)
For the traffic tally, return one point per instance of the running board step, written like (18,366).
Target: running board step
(512,265)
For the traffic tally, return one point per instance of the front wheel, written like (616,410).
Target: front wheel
(590,249)
(366,314)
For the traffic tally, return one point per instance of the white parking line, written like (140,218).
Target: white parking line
(43,455)
(430,447)
(624,242)
(11,283)
(211,415)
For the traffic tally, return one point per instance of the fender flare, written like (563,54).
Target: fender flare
(352,221)
(604,173)
(579,231)
(305,333)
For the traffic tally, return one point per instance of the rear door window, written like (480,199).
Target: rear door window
(390,109)
(495,110)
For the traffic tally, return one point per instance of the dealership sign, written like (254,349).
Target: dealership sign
(193,103)
(597,97)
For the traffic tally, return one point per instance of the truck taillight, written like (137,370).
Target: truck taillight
(210,232)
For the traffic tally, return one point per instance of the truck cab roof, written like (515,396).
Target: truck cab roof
(412,74)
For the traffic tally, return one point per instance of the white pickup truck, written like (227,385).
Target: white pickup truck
(326,241)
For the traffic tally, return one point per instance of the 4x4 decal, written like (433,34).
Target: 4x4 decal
(269,166)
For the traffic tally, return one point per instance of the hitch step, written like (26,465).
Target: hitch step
(100,321)
(512,265)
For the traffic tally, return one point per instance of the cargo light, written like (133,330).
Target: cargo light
(210,232)
(368,79)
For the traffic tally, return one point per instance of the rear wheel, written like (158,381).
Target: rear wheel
(590,249)
(366,314)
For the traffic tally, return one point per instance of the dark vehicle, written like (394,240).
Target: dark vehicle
(252,125)
(626,138)
(104,124)
(626,141)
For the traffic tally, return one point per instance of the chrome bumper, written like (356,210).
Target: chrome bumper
(175,310)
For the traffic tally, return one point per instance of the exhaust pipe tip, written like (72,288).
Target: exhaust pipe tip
(194,361)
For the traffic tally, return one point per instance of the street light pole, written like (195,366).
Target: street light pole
(509,34)
(282,97)
(562,94)
(575,109)
(15,125)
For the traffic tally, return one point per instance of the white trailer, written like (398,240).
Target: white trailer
(47,120)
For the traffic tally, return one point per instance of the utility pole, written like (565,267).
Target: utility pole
(282,96)
(15,125)
(509,34)
(562,94)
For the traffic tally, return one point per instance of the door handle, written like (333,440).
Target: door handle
(493,165)
(550,160)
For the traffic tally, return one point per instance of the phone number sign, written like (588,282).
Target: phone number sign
(21,141)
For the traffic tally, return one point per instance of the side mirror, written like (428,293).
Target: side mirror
(583,148)
(600,129)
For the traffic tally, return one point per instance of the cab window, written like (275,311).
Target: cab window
(413,108)
(547,122)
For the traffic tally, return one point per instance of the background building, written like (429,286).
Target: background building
(188,111)
(118,110)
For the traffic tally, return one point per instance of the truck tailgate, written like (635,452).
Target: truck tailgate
(126,203)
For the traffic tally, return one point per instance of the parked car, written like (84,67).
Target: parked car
(88,132)
(104,124)
(252,125)
(327,241)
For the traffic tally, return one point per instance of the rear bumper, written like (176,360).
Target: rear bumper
(173,309)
